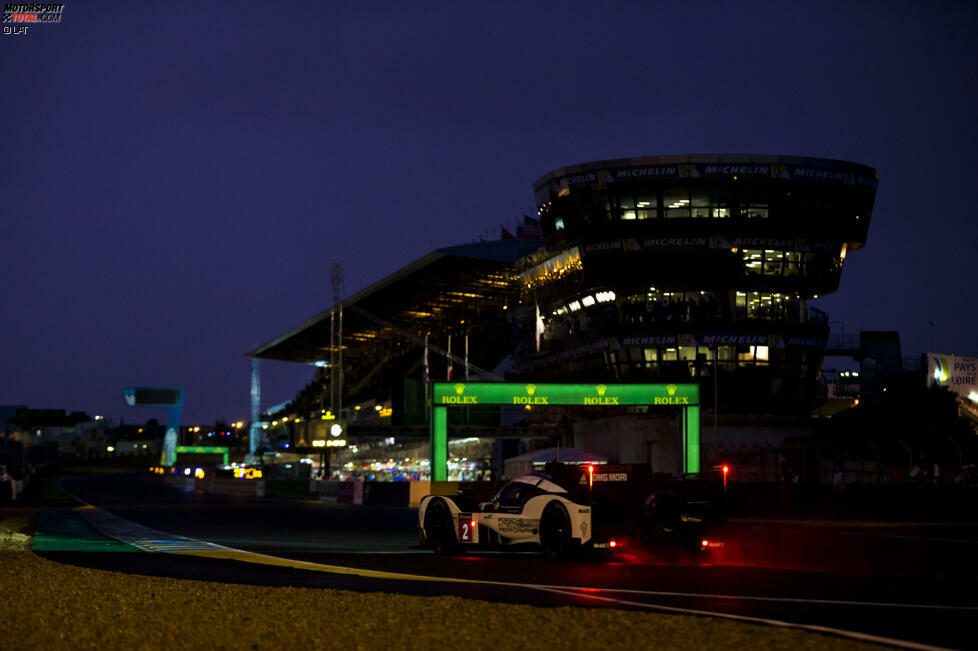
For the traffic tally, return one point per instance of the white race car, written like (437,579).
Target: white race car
(530,510)
(572,508)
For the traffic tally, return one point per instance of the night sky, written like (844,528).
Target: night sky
(177,177)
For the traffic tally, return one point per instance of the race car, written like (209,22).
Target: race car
(570,509)
(531,510)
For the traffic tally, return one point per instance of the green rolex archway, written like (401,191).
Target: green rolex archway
(448,395)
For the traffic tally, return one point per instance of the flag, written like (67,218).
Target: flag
(539,327)
(530,230)
(451,362)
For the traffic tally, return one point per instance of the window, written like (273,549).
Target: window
(767,305)
(627,205)
(676,202)
(768,262)
(753,261)
(702,204)
(750,355)
(792,264)
(516,494)
(754,205)
(646,205)
(772,262)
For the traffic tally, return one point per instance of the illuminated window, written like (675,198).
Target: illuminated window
(669,355)
(792,263)
(646,205)
(701,204)
(687,353)
(772,262)
(753,261)
(675,202)
(745,356)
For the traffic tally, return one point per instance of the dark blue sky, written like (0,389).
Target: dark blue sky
(177,177)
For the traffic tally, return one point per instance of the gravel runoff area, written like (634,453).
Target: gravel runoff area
(47,605)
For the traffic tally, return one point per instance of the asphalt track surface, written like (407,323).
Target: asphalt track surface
(913,584)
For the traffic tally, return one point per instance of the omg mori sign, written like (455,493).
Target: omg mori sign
(959,374)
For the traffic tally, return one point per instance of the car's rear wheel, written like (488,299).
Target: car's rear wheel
(438,527)
(555,530)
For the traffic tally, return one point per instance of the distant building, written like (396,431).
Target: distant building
(655,269)
(668,267)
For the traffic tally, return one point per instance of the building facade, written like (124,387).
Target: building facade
(694,268)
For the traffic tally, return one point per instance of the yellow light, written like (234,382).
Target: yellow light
(197,429)
(264,426)
(297,420)
(855,402)
(319,444)
(842,254)
(140,430)
(378,407)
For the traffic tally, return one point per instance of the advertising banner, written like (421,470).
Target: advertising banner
(959,374)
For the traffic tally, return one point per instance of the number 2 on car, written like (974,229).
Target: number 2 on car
(466,528)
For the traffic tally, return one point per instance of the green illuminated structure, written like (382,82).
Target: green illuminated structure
(460,394)
(203,449)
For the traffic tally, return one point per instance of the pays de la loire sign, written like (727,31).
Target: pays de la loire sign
(959,374)
(507,393)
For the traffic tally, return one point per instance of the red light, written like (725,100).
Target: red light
(705,542)
(612,544)
(590,477)
(472,524)
(726,469)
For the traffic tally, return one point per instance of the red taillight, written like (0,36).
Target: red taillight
(612,544)
(705,542)
(472,524)
(590,477)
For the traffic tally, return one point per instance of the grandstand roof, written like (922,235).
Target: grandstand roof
(432,294)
